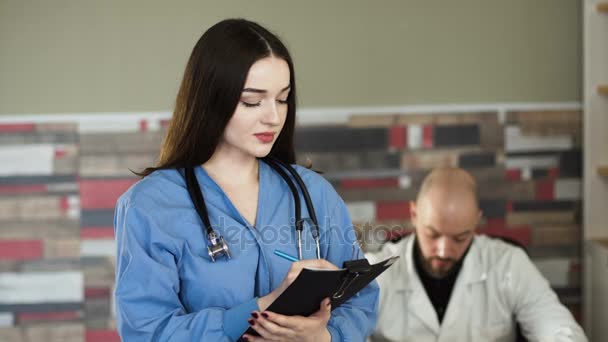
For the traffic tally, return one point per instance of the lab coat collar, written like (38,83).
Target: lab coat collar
(419,304)
(473,268)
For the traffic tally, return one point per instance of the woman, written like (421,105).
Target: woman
(236,105)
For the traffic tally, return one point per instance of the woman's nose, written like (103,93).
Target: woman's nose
(271,115)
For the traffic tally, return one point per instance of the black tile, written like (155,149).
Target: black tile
(544,205)
(564,251)
(351,161)
(340,139)
(493,208)
(571,164)
(28,180)
(455,135)
(97,218)
(540,173)
(95,261)
(477,160)
(42,307)
(545,153)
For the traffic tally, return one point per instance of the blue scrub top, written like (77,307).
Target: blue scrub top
(167,288)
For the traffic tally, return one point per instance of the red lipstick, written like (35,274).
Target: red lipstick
(265,137)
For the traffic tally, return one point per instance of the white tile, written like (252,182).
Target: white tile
(361,212)
(31,159)
(516,142)
(558,143)
(6,319)
(73,201)
(405,182)
(104,247)
(125,124)
(556,270)
(415,136)
(526,173)
(73,213)
(63,187)
(568,189)
(41,287)
(532,162)
(512,131)
(153,125)
(74,207)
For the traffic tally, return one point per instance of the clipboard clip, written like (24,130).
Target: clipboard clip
(355,268)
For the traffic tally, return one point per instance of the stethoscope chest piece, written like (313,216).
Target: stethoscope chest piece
(217,246)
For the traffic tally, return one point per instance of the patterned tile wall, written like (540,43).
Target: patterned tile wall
(59,184)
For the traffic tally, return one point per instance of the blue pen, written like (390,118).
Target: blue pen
(285,255)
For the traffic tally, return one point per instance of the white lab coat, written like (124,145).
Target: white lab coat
(497,286)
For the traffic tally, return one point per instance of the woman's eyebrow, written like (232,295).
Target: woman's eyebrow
(263,91)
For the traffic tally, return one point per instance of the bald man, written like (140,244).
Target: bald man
(451,285)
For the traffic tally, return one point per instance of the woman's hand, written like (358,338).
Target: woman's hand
(294,271)
(274,327)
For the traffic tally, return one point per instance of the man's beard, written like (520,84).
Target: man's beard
(440,271)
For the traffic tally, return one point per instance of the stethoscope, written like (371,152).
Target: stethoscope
(217,246)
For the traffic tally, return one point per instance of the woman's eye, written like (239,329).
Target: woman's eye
(248,104)
(282,101)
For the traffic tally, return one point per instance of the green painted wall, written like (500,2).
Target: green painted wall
(116,55)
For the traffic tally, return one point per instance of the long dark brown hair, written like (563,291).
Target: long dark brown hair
(211,88)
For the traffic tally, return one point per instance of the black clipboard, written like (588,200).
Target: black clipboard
(305,294)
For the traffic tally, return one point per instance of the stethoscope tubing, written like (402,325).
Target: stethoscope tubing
(279,167)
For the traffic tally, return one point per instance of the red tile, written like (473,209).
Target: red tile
(21,249)
(17,127)
(545,190)
(89,233)
(427,136)
(47,316)
(514,175)
(102,194)
(23,189)
(554,173)
(397,137)
(495,223)
(522,234)
(369,183)
(96,292)
(575,267)
(98,335)
(394,210)
(165,123)
(143,126)
(60,153)
(64,204)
